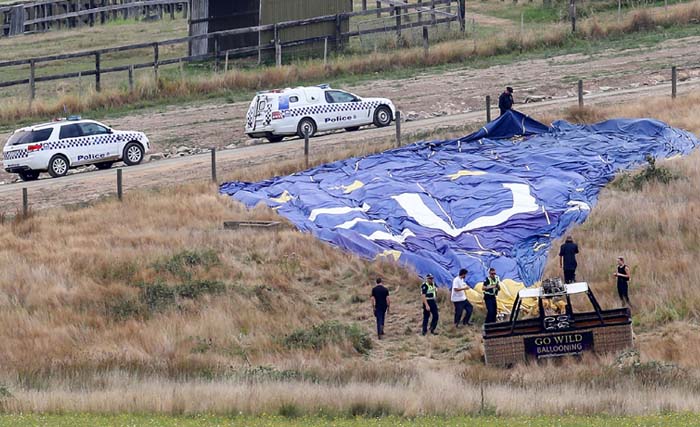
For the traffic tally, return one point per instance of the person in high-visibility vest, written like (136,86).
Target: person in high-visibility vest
(491,286)
(428,296)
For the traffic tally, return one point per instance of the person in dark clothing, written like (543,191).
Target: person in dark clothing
(623,278)
(491,286)
(380,305)
(505,101)
(428,292)
(567,259)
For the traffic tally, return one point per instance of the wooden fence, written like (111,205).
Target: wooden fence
(44,15)
(429,16)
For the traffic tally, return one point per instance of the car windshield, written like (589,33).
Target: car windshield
(29,137)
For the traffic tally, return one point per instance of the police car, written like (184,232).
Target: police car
(63,144)
(287,112)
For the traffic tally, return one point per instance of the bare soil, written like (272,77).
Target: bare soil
(431,100)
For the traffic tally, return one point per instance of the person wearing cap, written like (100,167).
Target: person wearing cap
(380,305)
(491,286)
(428,292)
(567,259)
(623,278)
(459,299)
(505,101)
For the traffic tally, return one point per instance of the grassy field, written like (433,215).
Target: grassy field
(672,420)
(487,44)
(167,314)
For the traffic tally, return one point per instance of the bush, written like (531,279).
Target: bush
(326,333)
(651,173)
(156,297)
(182,263)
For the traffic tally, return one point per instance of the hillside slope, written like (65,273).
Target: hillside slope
(149,306)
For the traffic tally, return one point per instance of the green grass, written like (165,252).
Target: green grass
(86,420)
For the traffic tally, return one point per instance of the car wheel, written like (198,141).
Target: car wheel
(133,154)
(306,126)
(29,175)
(274,138)
(104,165)
(383,116)
(352,129)
(58,166)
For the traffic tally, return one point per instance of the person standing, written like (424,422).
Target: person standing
(491,286)
(505,101)
(567,259)
(380,305)
(623,278)
(459,299)
(428,292)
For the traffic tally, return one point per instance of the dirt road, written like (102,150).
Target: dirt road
(447,99)
(90,186)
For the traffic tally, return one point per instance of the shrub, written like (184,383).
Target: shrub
(157,297)
(651,173)
(327,333)
(182,263)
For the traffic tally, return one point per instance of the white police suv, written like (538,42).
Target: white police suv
(286,112)
(63,144)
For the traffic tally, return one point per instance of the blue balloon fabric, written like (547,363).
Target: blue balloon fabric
(496,198)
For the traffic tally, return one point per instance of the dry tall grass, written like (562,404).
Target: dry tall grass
(448,52)
(87,322)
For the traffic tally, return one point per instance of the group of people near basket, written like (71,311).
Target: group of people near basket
(463,309)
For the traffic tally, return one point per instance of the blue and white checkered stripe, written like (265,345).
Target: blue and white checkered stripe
(331,108)
(91,141)
(15,155)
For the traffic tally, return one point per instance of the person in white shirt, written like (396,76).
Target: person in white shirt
(459,299)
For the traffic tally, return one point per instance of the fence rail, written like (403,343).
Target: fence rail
(44,15)
(433,17)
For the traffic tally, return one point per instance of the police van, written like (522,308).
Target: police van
(287,112)
(63,144)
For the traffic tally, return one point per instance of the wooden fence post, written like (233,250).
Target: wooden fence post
(580,94)
(572,13)
(379,12)
(131,78)
(278,53)
(398,128)
(225,64)
(32,85)
(462,6)
(364,5)
(216,54)
(213,165)
(97,72)
(306,149)
(155,62)
(338,32)
(120,192)
(488,108)
(25,203)
(433,18)
(397,12)
(426,42)
(674,80)
(325,51)
(420,10)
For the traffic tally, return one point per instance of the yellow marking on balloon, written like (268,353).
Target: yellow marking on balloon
(540,246)
(352,187)
(390,253)
(465,173)
(284,198)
